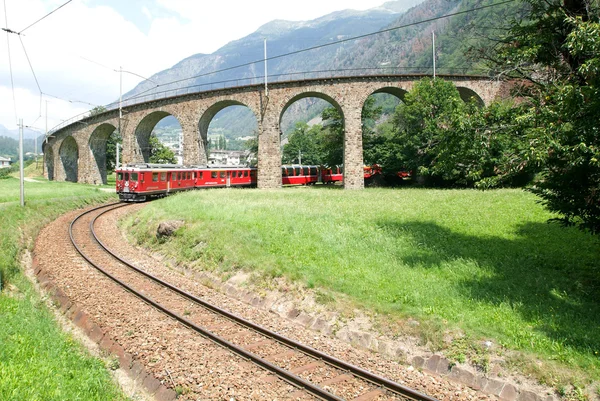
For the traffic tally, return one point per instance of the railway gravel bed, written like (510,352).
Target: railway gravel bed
(192,366)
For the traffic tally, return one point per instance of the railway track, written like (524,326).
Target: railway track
(313,372)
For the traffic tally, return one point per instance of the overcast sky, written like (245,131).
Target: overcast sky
(75,50)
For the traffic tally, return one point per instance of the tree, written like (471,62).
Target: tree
(159,153)
(97,110)
(304,145)
(557,52)
(425,129)
(332,137)
(111,149)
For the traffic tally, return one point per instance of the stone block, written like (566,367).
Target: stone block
(165,394)
(305,320)
(151,384)
(508,393)
(320,325)
(432,362)
(80,319)
(443,367)
(494,386)
(526,395)
(136,370)
(95,333)
(106,343)
(463,376)
(418,362)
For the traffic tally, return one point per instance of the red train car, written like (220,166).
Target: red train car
(331,175)
(299,175)
(139,182)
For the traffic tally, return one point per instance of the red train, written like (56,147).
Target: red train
(140,182)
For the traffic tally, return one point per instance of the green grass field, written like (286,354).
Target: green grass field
(486,264)
(37,360)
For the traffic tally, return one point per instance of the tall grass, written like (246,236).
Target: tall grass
(37,361)
(487,263)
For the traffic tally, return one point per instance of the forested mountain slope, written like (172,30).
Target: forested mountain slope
(407,49)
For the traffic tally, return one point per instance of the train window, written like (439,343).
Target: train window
(246,173)
(313,171)
(283,171)
(154,177)
(173,176)
(304,170)
(120,176)
(214,174)
(189,175)
(297,171)
(163,176)
(222,174)
(134,176)
(201,174)
(126,176)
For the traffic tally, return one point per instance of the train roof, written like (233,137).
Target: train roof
(153,166)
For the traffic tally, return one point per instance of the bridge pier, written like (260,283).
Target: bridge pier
(269,151)
(353,148)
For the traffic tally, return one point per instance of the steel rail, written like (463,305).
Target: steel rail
(355,370)
(281,373)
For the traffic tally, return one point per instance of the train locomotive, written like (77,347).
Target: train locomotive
(145,181)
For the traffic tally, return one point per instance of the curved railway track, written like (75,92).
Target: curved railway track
(287,359)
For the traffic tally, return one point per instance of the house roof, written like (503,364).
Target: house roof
(4,159)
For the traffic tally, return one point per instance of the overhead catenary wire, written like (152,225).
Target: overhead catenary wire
(51,12)
(336,42)
(34,76)
(138,95)
(12,82)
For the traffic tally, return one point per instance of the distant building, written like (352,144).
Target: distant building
(228,157)
(4,162)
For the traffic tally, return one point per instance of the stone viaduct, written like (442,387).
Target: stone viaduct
(77,152)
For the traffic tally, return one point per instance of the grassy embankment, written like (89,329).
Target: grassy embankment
(37,360)
(481,265)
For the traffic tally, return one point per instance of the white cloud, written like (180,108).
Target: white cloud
(58,44)
(147,12)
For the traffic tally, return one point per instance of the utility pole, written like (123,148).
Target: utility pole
(21,172)
(433,41)
(266,88)
(120,102)
(299,156)
(117,163)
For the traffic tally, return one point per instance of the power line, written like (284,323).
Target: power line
(12,82)
(56,9)
(30,66)
(337,42)
(70,100)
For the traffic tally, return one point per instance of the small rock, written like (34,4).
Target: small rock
(167,228)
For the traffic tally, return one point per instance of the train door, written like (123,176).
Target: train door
(126,182)
(228,179)
(169,182)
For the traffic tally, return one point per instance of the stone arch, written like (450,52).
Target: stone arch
(69,157)
(97,145)
(390,90)
(398,93)
(49,160)
(211,112)
(144,130)
(467,95)
(310,93)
